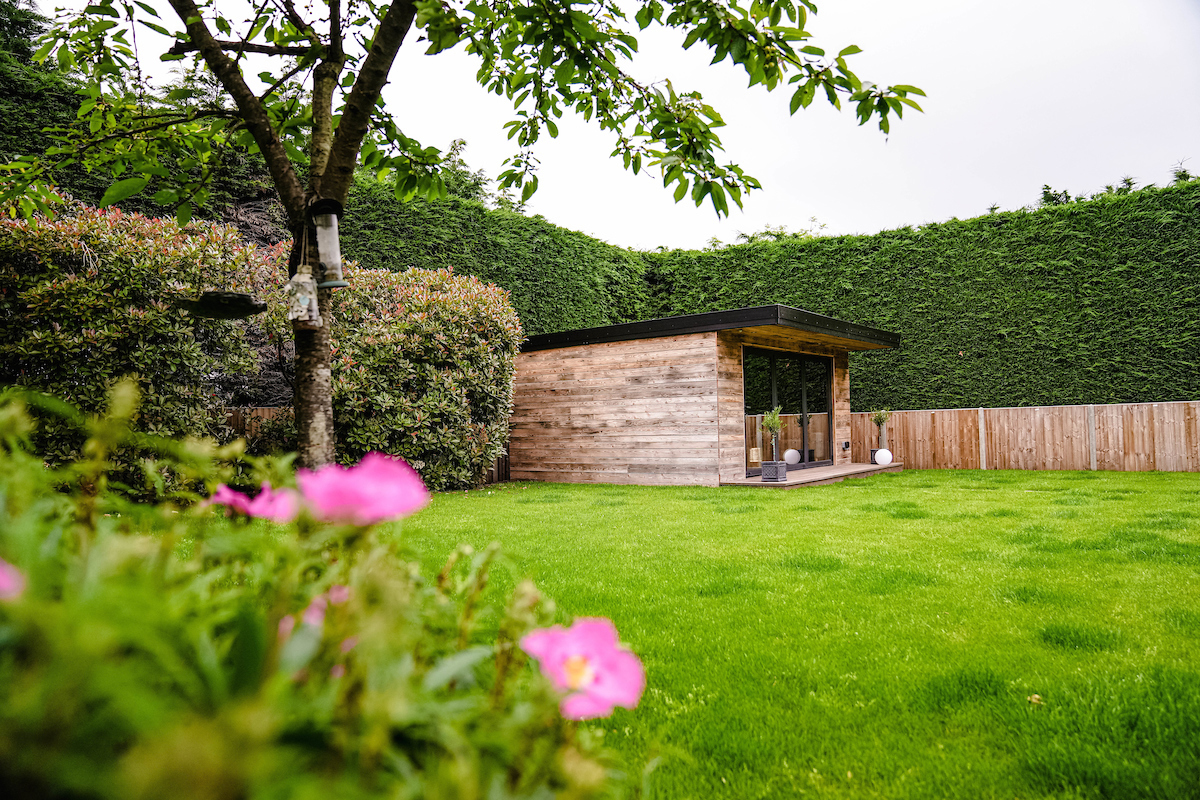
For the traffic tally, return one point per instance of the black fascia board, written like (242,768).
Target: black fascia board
(785,316)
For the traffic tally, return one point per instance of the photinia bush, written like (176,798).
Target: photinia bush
(168,650)
(89,297)
(423,369)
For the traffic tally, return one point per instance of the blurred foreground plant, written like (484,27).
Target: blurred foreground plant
(166,650)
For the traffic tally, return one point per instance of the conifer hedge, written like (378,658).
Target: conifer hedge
(1089,302)
(559,279)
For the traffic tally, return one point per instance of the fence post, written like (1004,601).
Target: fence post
(982,442)
(1091,418)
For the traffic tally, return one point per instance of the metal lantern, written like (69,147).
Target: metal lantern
(325,213)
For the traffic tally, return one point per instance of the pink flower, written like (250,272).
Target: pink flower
(286,626)
(337,671)
(279,505)
(379,488)
(348,643)
(588,661)
(224,496)
(338,594)
(315,613)
(12,582)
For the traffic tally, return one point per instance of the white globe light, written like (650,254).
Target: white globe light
(883,457)
(792,456)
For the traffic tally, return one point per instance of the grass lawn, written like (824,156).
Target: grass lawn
(880,637)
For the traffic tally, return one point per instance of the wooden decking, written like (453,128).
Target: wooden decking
(818,475)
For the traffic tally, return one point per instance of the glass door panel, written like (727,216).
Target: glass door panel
(802,386)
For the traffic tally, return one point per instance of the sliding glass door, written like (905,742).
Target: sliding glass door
(803,386)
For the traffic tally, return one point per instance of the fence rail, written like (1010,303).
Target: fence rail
(1126,436)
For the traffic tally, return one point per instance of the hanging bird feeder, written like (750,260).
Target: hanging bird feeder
(325,213)
(224,305)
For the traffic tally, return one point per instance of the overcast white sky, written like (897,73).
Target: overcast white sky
(1074,93)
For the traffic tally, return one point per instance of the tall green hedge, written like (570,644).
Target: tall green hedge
(1089,302)
(559,279)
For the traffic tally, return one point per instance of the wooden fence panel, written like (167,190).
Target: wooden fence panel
(1126,436)
(245,421)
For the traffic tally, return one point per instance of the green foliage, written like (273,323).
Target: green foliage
(881,417)
(545,60)
(1096,301)
(150,656)
(559,279)
(90,297)
(423,365)
(423,369)
(771,421)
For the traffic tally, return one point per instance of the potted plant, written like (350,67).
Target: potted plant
(880,419)
(774,471)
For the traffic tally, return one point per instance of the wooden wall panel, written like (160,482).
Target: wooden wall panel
(731,406)
(1130,436)
(642,411)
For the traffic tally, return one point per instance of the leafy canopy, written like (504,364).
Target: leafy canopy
(546,57)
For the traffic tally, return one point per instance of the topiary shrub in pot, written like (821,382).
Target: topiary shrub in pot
(880,418)
(774,471)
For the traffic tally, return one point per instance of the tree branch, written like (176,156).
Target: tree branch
(291,193)
(302,24)
(183,48)
(325,81)
(356,114)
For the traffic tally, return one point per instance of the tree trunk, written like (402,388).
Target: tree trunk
(314,384)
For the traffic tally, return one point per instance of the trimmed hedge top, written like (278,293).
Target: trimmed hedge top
(1088,302)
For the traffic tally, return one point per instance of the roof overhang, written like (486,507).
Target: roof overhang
(797,323)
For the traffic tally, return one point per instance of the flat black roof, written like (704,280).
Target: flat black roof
(785,316)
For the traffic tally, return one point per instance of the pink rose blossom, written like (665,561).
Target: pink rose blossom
(12,582)
(379,488)
(236,501)
(315,613)
(587,661)
(286,626)
(277,505)
(338,594)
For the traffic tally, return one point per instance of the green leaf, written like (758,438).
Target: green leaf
(122,189)
(797,101)
(849,51)
(456,667)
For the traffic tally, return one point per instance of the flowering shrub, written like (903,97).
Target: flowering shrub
(423,369)
(166,650)
(88,297)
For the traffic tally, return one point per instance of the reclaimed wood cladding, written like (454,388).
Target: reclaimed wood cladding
(642,411)
(1127,437)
